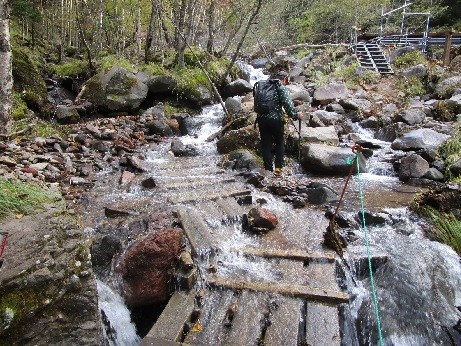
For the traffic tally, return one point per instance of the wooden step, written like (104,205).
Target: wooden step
(170,325)
(298,291)
(284,326)
(294,254)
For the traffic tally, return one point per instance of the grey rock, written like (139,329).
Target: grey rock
(413,166)
(419,139)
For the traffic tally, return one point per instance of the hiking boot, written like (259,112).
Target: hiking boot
(278,171)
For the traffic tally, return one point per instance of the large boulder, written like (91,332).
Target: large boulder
(326,135)
(155,121)
(117,90)
(146,267)
(330,92)
(157,84)
(299,93)
(244,138)
(446,87)
(238,87)
(329,160)
(413,166)
(419,139)
(412,116)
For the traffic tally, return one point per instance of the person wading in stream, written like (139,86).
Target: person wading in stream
(270,118)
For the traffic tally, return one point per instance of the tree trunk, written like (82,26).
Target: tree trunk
(180,34)
(211,20)
(151,31)
(242,39)
(6,79)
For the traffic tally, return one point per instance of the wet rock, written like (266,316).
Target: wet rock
(145,267)
(237,88)
(455,168)
(233,105)
(259,63)
(117,211)
(372,219)
(149,183)
(179,149)
(243,159)
(237,139)
(103,251)
(359,260)
(137,163)
(158,84)
(259,220)
(126,178)
(330,160)
(318,193)
(413,166)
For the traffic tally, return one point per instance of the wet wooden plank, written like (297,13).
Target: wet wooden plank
(295,254)
(208,195)
(299,291)
(196,230)
(284,326)
(248,320)
(231,208)
(213,316)
(152,341)
(322,325)
(171,322)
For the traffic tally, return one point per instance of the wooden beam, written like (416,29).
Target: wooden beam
(446,51)
(311,293)
(294,254)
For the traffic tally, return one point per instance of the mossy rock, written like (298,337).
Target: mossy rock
(447,110)
(28,81)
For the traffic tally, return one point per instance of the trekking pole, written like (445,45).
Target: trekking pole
(299,140)
(3,237)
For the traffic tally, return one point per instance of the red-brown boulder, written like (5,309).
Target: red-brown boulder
(146,267)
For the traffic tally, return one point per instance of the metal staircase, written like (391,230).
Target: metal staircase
(370,56)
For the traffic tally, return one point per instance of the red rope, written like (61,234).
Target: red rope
(4,236)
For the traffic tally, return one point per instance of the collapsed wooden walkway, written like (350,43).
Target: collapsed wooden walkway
(277,289)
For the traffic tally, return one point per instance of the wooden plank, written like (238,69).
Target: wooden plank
(295,254)
(152,341)
(322,325)
(196,230)
(231,208)
(213,316)
(284,326)
(171,322)
(316,294)
(205,195)
(248,320)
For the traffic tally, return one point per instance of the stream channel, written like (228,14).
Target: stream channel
(418,281)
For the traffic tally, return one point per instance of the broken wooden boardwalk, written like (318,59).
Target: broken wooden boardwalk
(276,289)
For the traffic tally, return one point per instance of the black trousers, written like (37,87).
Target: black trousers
(271,132)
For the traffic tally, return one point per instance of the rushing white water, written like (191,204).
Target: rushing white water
(117,328)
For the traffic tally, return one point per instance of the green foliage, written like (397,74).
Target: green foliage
(41,128)
(26,9)
(109,61)
(450,151)
(71,68)
(20,197)
(412,86)
(188,80)
(447,228)
(353,78)
(19,107)
(172,109)
(409,59)
(154,69)
(332,21)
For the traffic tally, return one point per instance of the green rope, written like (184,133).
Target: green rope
(373,289)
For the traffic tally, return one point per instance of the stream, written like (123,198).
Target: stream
(418,281)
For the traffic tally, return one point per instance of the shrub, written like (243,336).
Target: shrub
(409,59)
(109,61)
(19,107)
(447,228)
(450,151)
(71,68)
(412,86)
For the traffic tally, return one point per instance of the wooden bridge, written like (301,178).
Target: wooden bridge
(274,289)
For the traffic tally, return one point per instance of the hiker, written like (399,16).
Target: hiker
(271,124)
